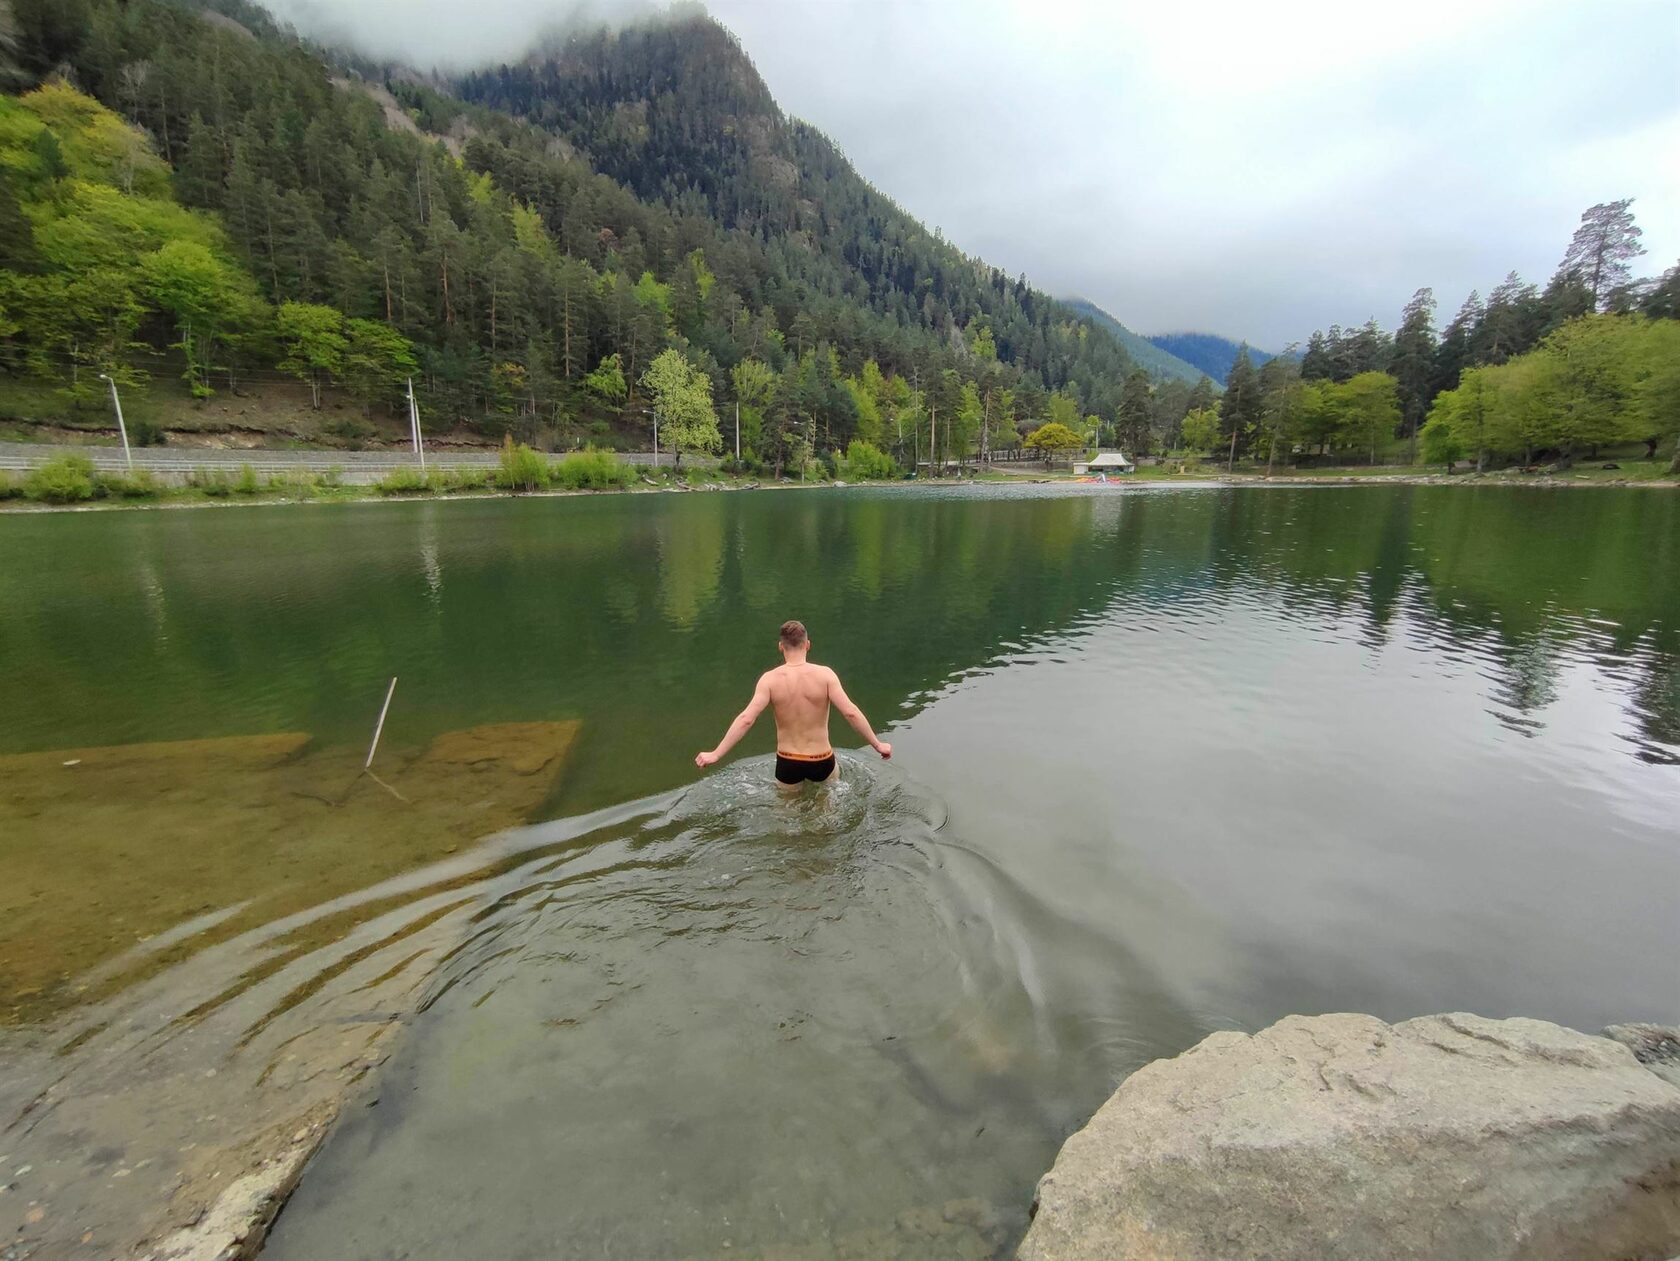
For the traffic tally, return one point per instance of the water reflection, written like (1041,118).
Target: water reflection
(1208,757)
(280,619)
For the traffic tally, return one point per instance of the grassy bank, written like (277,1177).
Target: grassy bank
(71,482)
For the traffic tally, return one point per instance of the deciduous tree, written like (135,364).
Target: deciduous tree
(682,399)
(1053,438)
(314,342)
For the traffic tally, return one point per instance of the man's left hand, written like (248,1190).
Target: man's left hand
(705,759)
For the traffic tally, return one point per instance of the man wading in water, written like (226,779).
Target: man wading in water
(801,693)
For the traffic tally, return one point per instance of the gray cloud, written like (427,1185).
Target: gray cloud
(1256,171)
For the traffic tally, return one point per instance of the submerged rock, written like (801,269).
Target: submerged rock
(128,857)
(1447,1137)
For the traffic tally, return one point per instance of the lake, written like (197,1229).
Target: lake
(1167,760)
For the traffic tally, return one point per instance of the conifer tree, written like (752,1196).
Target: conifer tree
(1413,361)
(1239,409)
(1603,248)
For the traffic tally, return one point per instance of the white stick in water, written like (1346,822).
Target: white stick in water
(383,710)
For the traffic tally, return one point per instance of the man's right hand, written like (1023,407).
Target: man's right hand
(705,759)
(884,749)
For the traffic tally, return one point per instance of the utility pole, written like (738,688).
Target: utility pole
(414,424)
(121,428)
(737,431)
(933,442)
(655,437)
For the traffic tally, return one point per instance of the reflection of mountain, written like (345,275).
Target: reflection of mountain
(649,617)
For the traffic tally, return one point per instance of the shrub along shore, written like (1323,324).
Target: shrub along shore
(71,481)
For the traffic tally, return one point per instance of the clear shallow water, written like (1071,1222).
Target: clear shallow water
(1166,762)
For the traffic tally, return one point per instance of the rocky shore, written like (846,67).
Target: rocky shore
(1451,1137)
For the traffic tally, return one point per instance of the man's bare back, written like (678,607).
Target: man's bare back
(801,693)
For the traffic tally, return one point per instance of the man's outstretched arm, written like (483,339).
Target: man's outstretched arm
(742,724)
(852,714)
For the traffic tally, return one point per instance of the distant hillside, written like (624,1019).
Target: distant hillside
(1209,352)
(674,110)
(1155,360)
(524,242)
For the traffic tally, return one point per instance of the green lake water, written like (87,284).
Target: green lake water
(1166,761)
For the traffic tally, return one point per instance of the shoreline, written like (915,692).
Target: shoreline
(1201,481)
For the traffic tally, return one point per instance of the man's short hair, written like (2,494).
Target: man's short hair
(793,634)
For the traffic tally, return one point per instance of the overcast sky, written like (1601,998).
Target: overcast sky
(1247,169)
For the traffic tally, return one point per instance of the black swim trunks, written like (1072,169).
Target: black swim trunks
(799,768)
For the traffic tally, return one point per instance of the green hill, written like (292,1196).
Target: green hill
(1159,363)
(523,243)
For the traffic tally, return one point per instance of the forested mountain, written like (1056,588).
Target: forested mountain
(1208,352)
(675,111)
(526,247)
(1158,362)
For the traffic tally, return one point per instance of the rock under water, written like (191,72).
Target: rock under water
(1444,1137)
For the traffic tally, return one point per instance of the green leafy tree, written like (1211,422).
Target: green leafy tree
(1464,412)
(314,342)
(1657,385)
(607,382)
(868,411)
(754,384)
(682,400)
(207,298)
(1588,379)
(1371,410)
(378,361)
(965,423)
(1441,442)
(1519,417)
(1062,409)
(1200,430)
(1053,438)
(1318,414)
(866,462)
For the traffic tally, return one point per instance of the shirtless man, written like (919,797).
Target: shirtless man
(801,693)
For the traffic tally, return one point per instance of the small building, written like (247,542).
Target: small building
(1106,462)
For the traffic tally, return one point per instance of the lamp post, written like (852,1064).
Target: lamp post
(654,413)
(414,425)
(121,428)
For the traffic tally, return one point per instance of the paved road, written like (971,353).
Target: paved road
(358,467)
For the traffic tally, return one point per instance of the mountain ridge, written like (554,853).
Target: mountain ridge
(1209,352)
(1156,360)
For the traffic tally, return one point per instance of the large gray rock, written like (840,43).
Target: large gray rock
(1444,1137)
(1657,1047)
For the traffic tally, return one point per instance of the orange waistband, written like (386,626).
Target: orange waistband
(805,757)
